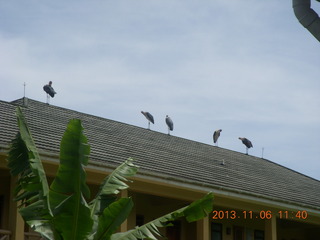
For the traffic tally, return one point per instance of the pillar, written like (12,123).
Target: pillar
(124,225)
(203,229)
(16,223)
(270,229)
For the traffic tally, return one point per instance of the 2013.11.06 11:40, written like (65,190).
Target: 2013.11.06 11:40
(263,214)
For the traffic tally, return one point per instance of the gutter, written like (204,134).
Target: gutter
(307,16)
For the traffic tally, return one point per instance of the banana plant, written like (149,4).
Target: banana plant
(61,211)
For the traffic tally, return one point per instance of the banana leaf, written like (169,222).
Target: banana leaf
(68,191)
(112,185)
(113,216)
(32,187)
(24,160)
(195,211)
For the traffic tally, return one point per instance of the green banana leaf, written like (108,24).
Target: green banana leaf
(113,216)
(68,191)
(32,187)
(109,188)
(112,185)
(24,160)
(195,211)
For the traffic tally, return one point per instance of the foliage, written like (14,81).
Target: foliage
(61,211)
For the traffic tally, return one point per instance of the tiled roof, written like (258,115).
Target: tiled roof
(112,142)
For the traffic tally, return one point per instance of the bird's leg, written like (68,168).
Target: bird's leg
(149,125)
(247,151)
(168,131)
(48,98)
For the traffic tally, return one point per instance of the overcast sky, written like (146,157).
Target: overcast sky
(247,67)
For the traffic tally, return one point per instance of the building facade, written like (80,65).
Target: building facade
(255,199)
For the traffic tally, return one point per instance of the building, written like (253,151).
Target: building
(255,199)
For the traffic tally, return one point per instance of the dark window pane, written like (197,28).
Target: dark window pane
(216,231)
(258,235)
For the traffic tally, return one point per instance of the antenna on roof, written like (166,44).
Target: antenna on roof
(25,100)
(24,89)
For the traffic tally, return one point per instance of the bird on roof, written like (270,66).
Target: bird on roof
(216,135)
(149,117)
(169,124)
(49,89)
(247,143)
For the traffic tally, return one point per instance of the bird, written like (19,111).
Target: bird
(246,142)
(149,117)
(169,124)
(49,89)
(216,135)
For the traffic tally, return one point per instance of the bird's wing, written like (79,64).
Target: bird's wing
(215,136)
(46,88)
(169,123)
(248,143)
(52,90)
(150,117)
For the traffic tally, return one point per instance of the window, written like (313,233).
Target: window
(258,235)
(216,231)
(238,233)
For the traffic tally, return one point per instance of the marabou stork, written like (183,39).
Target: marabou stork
(49,90)
(246,142)
(149,117)
(169,124)
(216,135)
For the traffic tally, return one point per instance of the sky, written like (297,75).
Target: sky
(246,67)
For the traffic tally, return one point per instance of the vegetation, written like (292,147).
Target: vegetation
(61,211)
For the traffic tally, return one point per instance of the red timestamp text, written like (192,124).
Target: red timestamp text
(263,214)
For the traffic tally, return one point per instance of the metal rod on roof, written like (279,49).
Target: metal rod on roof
(24,89)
